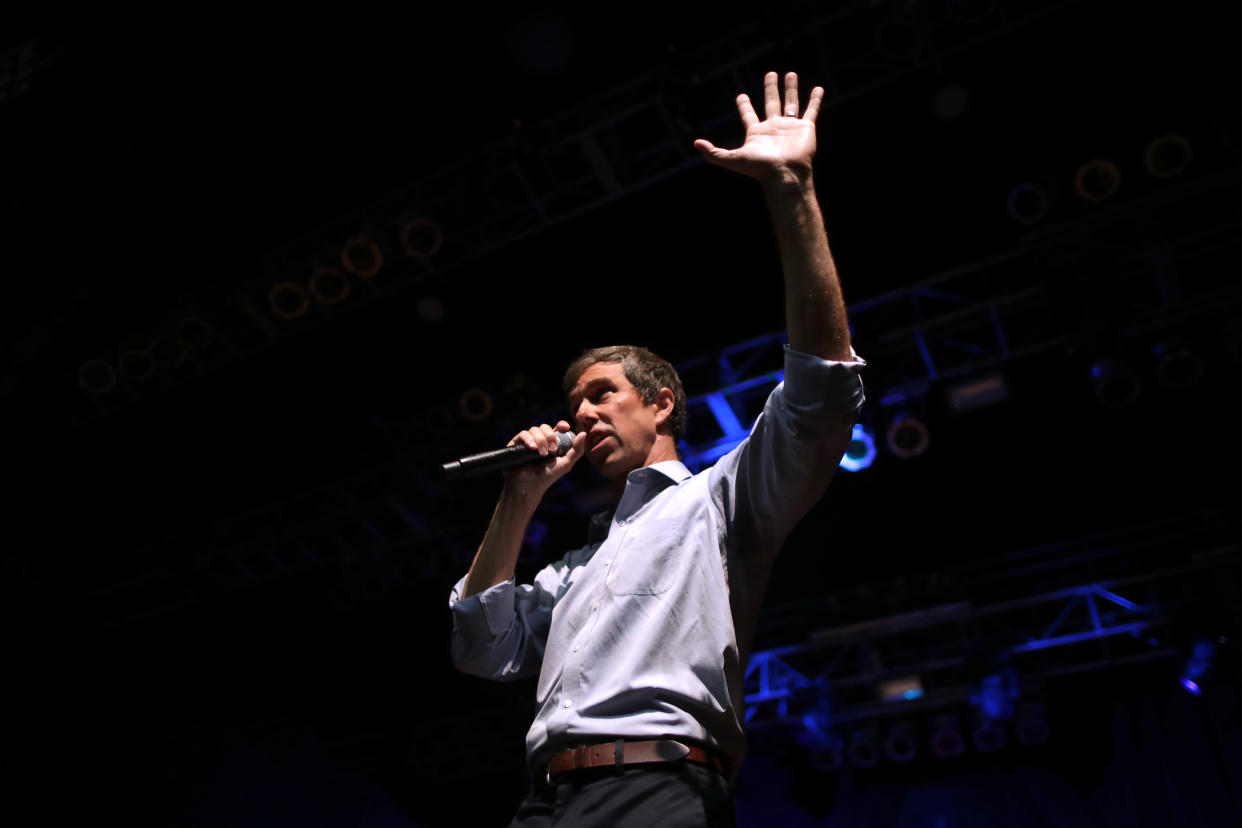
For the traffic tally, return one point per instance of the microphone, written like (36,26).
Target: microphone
(490,461)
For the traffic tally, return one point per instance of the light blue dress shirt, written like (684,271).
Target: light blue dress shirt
(646,630)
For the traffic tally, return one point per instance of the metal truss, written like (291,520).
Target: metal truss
(631,137)
(1086,627)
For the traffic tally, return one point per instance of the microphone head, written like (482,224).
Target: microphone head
(566,440)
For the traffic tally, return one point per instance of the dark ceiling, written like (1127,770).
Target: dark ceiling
(154,161)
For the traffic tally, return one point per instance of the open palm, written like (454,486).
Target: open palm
(779,143)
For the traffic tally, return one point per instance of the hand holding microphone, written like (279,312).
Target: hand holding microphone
(522,456)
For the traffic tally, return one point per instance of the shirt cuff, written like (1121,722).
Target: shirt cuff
(485,614)
(834,384)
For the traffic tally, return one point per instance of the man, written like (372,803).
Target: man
(640,639)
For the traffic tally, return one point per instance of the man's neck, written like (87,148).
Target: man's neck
(664,449)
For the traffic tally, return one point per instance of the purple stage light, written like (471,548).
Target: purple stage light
(1191,687)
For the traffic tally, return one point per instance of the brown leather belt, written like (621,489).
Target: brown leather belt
(620,753)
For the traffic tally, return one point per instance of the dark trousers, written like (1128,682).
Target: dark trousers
(669,795)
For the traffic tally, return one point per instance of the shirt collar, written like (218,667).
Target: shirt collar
(645,482)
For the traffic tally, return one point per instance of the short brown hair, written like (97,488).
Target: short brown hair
(647,372)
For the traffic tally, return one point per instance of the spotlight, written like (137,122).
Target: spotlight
(421,238)
(864,748)
(988,735)
(1178,366)
(900,743)
(287,300)
(96,377)
(329,285)
(994,695)
(946,737)
(475,405)
(1199,665)
(906,437)
(1097,180)
(1167,155)
(1027,203)
(860,453)
(1114,383)
(362,257)
(195,333)
(136,365)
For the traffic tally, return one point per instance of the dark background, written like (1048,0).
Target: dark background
(155,164)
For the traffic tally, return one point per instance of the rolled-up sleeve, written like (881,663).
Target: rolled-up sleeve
(772,479)
(500,633)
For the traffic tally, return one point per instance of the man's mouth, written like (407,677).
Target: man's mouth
(599,442)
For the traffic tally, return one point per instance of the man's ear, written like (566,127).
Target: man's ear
(664,402)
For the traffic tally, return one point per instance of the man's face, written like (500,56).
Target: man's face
(621,428)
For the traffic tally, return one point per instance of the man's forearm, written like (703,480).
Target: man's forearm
(497,557)
(814,306)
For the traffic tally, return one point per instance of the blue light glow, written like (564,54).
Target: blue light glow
(860,453)
(917,693)
(1191,687)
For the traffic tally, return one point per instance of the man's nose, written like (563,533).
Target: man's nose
(585,415)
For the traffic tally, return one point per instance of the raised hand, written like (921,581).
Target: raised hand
(782,144)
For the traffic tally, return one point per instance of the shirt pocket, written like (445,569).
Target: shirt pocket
(647,560)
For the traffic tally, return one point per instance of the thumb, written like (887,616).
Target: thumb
(711,152)
(576,447)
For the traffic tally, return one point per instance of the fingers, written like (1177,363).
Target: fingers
(791,94)
(812,107)
(771,96)
(747,111)
(542,439)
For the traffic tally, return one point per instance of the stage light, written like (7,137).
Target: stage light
(1167,155)
(1097,180)
(1027,203)
(906,688)
(362,257)
(329,285)
(906,437)
(136,365)
(475,405)
(978,392)
(946,737)
(864,750)
(1114,383)
(96,377)
(421,238)
(860,453)
(994,694)
(988,736)
(287,300)
(1199,665)
(195,333)
(1178,366)
(900,743)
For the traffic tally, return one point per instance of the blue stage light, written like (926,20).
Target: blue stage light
(860,453)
